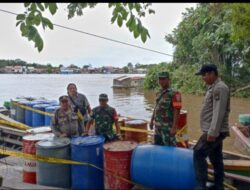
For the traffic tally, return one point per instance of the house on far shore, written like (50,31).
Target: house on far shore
(64,70)
(128,82)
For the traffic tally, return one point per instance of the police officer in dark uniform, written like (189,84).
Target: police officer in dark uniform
(64,121)
(214,125)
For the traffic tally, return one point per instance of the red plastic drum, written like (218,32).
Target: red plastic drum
(117,158)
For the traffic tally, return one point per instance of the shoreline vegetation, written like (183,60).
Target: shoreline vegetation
(216,33)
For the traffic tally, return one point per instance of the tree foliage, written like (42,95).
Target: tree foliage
(182,78)
(19,62)
(215,33)
(127,14)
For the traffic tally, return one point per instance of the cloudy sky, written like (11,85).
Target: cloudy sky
(68,47)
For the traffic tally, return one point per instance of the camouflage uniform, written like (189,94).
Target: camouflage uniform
(65,122)
(104,119)
(164,116)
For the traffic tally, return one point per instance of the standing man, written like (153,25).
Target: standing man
(214,125)
(80,105)
(64,122)
(166,113)
(104,117)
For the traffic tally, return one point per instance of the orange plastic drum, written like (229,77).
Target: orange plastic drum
(136,136)
(182,136)
(117,160)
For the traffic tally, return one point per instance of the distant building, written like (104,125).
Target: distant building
(108,69)
(31,69)
(128,82)
(141,71)
(9,69)
(15,69)
(91,70)
(64,70)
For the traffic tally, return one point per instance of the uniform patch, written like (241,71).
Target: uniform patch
(178,97)
(217,95)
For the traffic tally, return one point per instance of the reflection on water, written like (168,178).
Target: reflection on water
(132,102)
(136,103)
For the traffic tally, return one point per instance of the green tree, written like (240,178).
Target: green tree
(125,69)
(73,66)
(128,14)
(130,65)
(151,79)
(49,68)
(205,35)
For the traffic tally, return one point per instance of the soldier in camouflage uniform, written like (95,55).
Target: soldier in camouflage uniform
(65,122)
(166,113)
(104,117)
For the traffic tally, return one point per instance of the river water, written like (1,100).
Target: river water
(130,102)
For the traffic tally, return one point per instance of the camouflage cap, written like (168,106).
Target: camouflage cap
(103,97)
(163,74)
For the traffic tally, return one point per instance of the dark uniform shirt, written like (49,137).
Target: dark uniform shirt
(65,122)
(215,110)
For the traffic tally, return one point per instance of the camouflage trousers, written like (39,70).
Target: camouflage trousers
(162,136)
(108,135)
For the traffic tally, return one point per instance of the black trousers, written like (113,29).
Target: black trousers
(213,150)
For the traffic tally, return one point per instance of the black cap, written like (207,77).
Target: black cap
(103,97)
(207,68)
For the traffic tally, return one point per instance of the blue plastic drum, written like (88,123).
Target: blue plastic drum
(163,167)
(28,113)
(50,109)
(51,102)
(37,118)
(87,149)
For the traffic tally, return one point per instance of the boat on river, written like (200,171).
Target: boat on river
(128,82)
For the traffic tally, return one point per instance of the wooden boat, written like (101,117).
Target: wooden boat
(128,82)
(242,143)
(237,166)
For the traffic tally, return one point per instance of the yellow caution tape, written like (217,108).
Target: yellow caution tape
(178,133)
(59,161)
(32,109)
(15,125)
(136,130)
